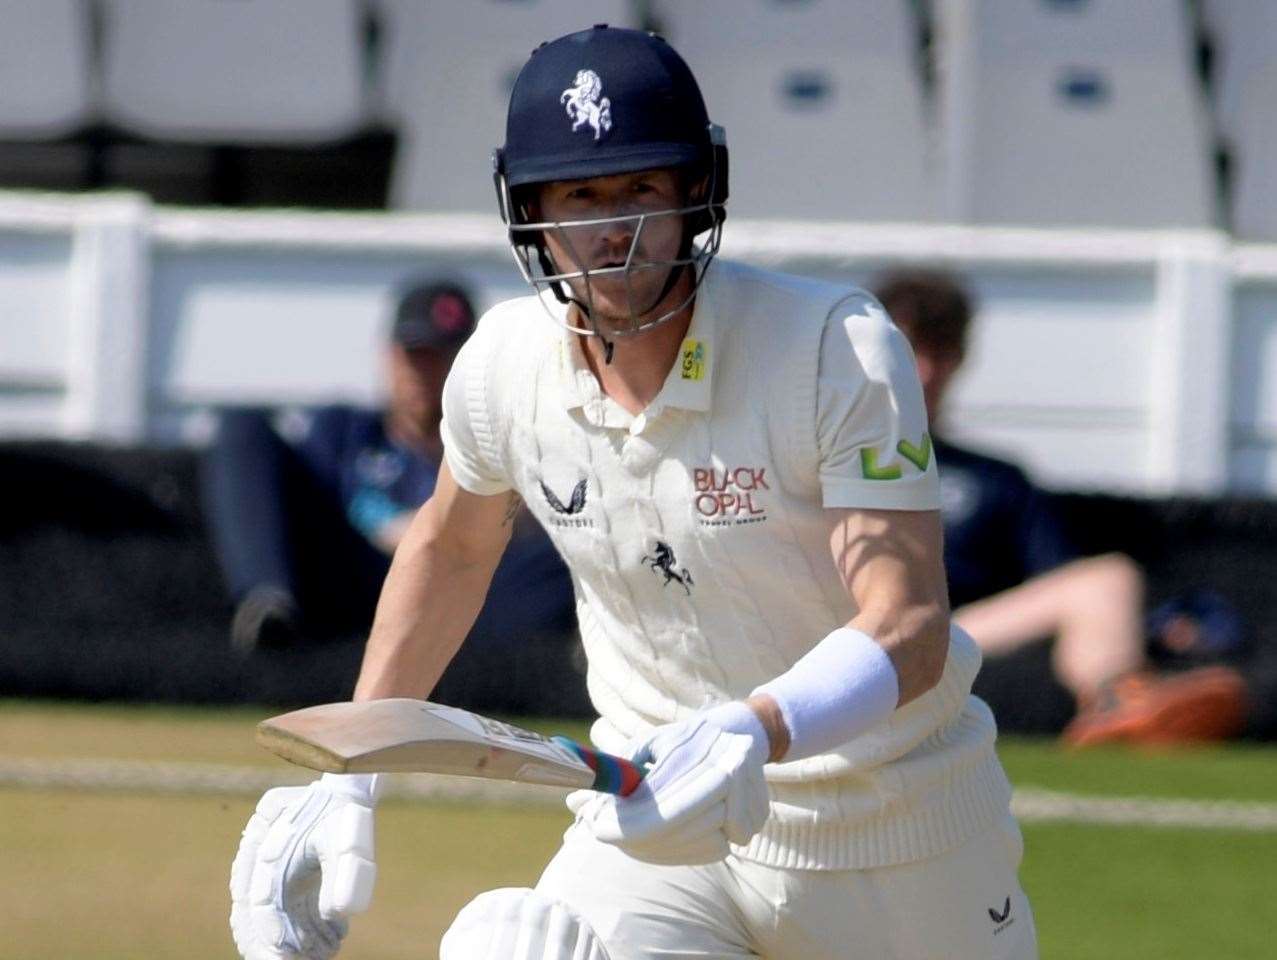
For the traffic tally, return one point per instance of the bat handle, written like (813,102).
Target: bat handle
(612,774)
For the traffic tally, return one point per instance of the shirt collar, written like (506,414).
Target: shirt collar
(689,384)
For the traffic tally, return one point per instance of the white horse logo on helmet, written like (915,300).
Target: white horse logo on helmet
(584,105)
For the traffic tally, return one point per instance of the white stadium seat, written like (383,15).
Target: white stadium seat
(44,68)
(1070,112)
(1245,33)
(821,100)
(242,71)
(449,68)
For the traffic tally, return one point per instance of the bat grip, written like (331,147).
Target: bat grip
(612,774)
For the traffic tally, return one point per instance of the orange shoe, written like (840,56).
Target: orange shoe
(1204,704)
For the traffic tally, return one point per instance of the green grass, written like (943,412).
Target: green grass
(118,877)
(1233,771)
(110,875)
(1105,892)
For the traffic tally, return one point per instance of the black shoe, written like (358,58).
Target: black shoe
(267,617)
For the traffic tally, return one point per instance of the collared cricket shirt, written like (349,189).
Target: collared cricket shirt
(697,534)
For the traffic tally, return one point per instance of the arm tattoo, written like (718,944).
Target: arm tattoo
(511,508)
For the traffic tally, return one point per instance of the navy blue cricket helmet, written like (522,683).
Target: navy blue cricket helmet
(600,102)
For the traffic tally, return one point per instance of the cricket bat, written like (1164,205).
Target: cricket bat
(416,736)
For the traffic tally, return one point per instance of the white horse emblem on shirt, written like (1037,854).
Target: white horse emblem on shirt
(584,105)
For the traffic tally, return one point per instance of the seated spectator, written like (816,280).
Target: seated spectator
(304,527)
(1064,636)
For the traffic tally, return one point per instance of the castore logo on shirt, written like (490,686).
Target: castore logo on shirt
(568,514)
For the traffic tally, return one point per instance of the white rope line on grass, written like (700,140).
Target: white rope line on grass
(175,777)
(1029,804)
(1033,805)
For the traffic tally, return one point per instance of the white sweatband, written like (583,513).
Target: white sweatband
(841,687)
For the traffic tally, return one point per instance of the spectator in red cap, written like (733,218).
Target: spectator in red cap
(304,527)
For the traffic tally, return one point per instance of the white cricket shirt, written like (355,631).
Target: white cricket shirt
(698,543)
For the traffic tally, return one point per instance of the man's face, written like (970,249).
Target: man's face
(601,245)
(416,378)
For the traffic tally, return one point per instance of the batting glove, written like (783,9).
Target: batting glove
(305,864)
(704,791)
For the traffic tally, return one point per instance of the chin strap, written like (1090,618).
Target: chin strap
(562,292)
(610,345)
(548,268)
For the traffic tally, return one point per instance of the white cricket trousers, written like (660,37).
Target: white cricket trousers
(965,904)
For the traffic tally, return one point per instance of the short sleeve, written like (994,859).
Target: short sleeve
(466,418)
(871,421)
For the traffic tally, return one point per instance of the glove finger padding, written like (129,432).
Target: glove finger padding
(345,854)
(257,929)
(578,800)
(304,864)
(696,841)
(705,786)
(748,804)
(700,833)
(287,882)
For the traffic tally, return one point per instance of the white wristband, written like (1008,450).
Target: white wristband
(843,686)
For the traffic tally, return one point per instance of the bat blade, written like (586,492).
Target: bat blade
(416,736)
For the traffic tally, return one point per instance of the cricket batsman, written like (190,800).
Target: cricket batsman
(736,467)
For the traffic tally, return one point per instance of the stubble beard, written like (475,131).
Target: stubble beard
(619,315)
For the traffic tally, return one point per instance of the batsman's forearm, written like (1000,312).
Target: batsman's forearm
(428,604)
(915,636)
